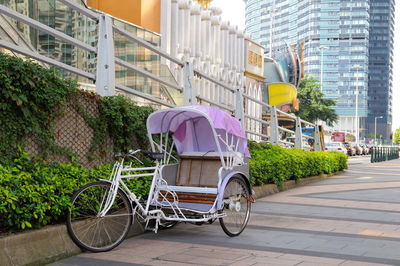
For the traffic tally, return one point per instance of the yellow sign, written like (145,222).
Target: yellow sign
(281,93)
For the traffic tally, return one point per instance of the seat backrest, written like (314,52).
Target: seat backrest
(198,171)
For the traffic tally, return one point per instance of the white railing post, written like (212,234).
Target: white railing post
(189,90)
(105,72)
(317,139)
(239,108)
(274,134)
(298,143)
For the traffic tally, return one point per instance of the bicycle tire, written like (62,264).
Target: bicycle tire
(98,234)
(237,211)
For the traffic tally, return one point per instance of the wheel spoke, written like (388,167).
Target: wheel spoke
(236,207)
(98,233)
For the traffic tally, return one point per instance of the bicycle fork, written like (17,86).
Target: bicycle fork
(110,197)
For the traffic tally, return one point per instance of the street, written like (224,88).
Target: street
(349,219)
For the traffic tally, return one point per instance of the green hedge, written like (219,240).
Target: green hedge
(274,164)
(34,194)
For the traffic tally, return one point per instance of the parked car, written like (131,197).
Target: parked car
(369,147)
(350,150)
(365,149)
(357,147)
(336,146)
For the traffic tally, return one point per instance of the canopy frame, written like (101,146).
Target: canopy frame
(227,158)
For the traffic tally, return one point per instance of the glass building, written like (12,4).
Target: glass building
(56,15)
(380,66)
(333,38)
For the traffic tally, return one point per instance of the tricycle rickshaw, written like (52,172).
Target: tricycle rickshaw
(201,174)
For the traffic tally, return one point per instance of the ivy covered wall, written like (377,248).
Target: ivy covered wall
(51,119)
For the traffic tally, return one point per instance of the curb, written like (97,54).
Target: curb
(52,243)
(43,246)
(265,190)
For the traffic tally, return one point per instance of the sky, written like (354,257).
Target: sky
(233,11)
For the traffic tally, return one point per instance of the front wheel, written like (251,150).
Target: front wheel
(85,226)
(236,206)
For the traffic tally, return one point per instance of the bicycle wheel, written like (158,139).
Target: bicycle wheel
(236,206)
(93,233)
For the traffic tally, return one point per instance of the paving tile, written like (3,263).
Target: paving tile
(324,223)
(167,263)
(313,259)
(359,263)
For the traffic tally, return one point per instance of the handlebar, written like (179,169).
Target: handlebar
(149,154)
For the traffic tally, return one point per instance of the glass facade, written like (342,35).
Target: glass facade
(380,66)
(335,36)
(64,19)
(58,16)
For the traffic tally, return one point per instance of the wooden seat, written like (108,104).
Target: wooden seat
(196,180)
(188,197)
(198,171)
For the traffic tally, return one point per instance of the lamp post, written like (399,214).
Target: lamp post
(271,11)
(322,48)
(376,117)
(357,67)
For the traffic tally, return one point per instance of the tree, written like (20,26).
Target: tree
(396,136)
(313,105)
(350,137)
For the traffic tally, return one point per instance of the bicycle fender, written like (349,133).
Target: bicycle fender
(225,181)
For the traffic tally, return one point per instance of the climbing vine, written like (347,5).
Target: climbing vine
(119,119)
(30,100)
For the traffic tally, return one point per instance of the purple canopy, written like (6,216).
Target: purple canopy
(194,128)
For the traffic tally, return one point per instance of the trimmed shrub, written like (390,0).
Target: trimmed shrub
(272,164)
(34,194)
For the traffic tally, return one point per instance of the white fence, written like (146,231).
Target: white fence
(193,85)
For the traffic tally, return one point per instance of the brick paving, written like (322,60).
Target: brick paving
(349,219)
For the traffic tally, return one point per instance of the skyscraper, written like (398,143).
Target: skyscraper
(336,36)
(380,66)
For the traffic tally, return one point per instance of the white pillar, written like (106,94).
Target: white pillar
(224,44)
(181,27)
(206,22)
(186,33)
(231,46)
(215,54)
(165,26)
(174,28)
(194,13)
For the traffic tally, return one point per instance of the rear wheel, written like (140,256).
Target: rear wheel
(94,233)
(236,206)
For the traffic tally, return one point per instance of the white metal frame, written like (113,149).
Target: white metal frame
(121,171)
(229,160)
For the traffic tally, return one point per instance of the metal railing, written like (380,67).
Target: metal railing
(384,153)
(228,98)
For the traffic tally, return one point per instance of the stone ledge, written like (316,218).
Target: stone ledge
(42,246)
(265,190)
(52,243)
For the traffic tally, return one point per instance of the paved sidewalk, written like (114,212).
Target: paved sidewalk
(348,219)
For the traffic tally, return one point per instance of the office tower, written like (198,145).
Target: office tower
(381,27)
(339,37)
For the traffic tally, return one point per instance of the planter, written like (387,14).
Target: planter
(52,243)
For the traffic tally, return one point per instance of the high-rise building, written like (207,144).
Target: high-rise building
(336,36)
(380,66)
